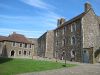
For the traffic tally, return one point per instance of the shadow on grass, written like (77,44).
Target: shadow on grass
(64,65)
(3,60)
(69,65)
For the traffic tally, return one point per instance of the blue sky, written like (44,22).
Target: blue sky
(34,17)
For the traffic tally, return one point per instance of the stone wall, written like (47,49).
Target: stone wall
(35,42)
(49,44)
(59,36)
(90,28)
(42,45)
(45,45)
(8,47)
(91,55)
(90,31)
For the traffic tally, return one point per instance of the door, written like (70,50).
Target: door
(85,56)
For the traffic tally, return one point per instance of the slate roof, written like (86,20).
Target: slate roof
(73,19)
(76,18)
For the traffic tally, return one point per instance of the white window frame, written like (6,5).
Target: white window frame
(72,43)
(73,27)
(26,45)
(13,44)
(29,53)
(63,42)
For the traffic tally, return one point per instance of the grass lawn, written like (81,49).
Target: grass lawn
(16,66)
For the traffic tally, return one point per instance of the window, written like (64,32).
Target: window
(25,45)
(30,46)
(73,41)
(14,43)
(56,33)
(68,40)
(73,27)
(78,26)
(20,44)
(56,43)
(29,52)
(63,42)
(24,52)
(63,31)
(72,53)
(19,52)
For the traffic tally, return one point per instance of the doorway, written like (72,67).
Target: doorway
(12,53)
(85,56)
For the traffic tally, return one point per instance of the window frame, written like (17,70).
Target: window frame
(14,44)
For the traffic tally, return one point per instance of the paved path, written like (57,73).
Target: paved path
(82,69)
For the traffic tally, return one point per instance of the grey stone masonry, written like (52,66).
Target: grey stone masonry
(46,45)
(79,38)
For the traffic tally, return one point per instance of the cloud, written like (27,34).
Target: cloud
(47,19)
(33,25)
(16,18)
(7,31)
(38,3)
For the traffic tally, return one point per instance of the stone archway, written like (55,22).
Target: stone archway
(72,54)
(63,55)
(97,55)
(12,53)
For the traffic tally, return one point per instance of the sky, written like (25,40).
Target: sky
(32,18)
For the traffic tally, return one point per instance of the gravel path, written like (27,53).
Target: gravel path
(82,69)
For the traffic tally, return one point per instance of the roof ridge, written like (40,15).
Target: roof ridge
(16,38)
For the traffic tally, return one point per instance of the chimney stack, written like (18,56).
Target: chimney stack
(60,21)
(87,6)
(14,32)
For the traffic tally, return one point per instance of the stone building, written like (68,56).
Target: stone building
(78,38)
(35,42)
(16,46)
(46,44)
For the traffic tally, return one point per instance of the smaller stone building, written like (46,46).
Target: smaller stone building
(16,46)
(46,44)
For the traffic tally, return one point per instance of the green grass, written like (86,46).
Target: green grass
(16,66)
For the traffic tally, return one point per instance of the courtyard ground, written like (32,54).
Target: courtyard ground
(82,69)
